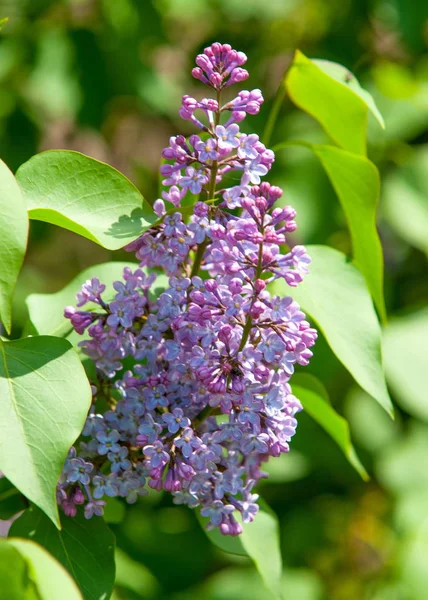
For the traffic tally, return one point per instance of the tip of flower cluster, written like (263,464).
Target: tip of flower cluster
(220,66)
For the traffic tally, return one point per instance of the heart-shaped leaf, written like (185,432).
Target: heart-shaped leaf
(85,547)
(84,195)
(44,399)
(13,240)
(335,295)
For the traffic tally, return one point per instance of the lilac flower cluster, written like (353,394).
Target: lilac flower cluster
(195,380)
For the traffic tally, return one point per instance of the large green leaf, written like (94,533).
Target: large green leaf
(36,572)
(406,189)
(13,240)
(405,347)
(13,573)
(348,79)
(84,547)
(227,543)
(82,194)
(332,95)
(44,399)
(356,182)
(335,295)
(316,403)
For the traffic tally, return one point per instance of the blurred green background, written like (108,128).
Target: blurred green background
(105,77)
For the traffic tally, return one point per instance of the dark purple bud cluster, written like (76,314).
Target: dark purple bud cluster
(204,399)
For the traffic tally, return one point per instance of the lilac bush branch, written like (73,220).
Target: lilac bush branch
(207,399)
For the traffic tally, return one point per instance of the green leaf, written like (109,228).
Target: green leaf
(408,187)
(84,195)
(339,106)
(13,572)
(317,404)
(44,400)
(3,22)
(13,240)
(47,310)
(261,541)
(85,547)
(348,79)
(334,294)
(405,347)
(50,578)
(356,182)
(11,501)
(134,576)
(227,543)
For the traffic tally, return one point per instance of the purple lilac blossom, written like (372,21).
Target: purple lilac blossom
(205,397)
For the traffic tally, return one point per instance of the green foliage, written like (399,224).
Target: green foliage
(84,195)
(106,78)
(84,547)
(11,501)
(28,572)
(44,399)
(404,347)
(13,240)
(356,182)
(316,403)
(406,190)
(336,297)
(259,541)
(333,96)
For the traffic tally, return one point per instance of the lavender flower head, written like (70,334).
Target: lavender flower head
(207,399)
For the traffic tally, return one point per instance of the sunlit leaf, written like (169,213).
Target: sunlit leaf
(332,95)
(335,295)
(82,194)
(227,543)
(260,539)
(345,77)
(85,547)
(13,240)
(49,578)
(13,572)
(316,404)
(356,182)
(44,399)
